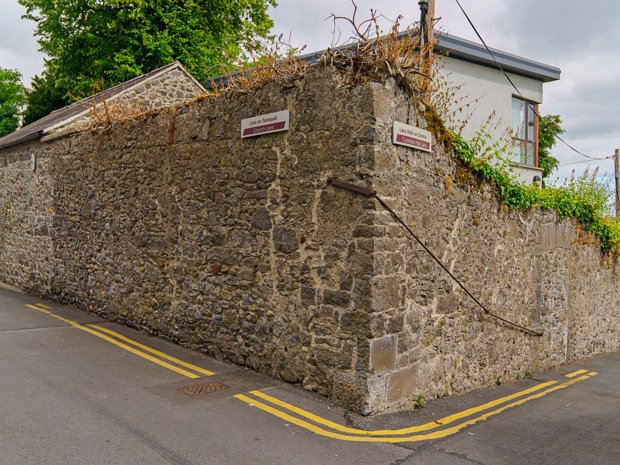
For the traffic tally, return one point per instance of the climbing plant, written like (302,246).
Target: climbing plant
(583,198)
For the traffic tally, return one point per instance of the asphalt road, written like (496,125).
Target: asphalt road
(74,393)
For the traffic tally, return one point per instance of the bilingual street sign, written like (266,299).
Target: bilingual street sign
(410,136)
(265,124)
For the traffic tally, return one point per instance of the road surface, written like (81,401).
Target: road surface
(75,389)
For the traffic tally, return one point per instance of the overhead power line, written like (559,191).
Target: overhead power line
(517,89)
(587,161)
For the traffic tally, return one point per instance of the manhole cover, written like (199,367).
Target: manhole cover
(196,390)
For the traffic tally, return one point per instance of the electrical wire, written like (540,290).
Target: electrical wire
(517,89)
(587,161)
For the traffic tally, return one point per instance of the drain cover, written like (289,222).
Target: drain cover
(196,390)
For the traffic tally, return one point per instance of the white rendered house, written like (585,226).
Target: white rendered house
(470,65)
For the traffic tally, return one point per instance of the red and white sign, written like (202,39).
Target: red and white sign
(410,136)
(265,124)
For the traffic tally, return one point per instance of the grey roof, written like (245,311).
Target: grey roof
(457,47)
(36,129)
(463,49)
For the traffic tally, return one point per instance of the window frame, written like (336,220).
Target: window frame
(517,141)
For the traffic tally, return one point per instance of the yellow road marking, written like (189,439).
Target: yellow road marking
(420,437)
(153,351)
(121,345)
(593,373)
(575,373)
(39,309)
(44,306)
(413,429)
(181,371)
(72,323)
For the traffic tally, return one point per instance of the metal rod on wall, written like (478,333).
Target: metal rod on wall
(370,193)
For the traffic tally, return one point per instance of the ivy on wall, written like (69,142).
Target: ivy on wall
(581,198)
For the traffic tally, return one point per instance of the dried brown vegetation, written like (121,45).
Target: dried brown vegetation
(371,53)
(105,113)
(275,59)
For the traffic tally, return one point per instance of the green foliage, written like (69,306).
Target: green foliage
(45,97)
(583,198)
(12,98)
(492,151)
(87,41)
(549,127)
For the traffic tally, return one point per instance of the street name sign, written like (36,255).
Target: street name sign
(410,136)
(265,124)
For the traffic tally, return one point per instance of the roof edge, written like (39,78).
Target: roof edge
(28,138)
(164,69)
(473,52)
(467,50)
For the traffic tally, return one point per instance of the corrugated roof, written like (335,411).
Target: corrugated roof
(37,129)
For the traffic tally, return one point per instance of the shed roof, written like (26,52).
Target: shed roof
(36,129)
(457,47)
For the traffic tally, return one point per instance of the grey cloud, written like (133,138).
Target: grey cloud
(18,48)
(561,29)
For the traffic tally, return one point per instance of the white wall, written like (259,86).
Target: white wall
(494,94)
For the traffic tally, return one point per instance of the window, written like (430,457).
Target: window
(524,131)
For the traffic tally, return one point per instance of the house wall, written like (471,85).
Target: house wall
(491,94)
(241,249)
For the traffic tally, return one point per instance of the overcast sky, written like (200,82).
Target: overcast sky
(561,33)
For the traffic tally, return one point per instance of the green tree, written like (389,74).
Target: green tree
(114,40)
(12,99)
(549,127)
(44,98)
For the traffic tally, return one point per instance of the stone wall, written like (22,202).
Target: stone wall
(27,257)
(239,248)
(234,247)
(428,337)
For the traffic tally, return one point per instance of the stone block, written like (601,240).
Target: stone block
(284,239)
(262,219)
(355,322)
(336,298)
(552,231)
(386,294)
(307,295)
(403,384)
(360,263)
(383,353)
(350,391)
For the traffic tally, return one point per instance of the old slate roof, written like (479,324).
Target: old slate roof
(37,129)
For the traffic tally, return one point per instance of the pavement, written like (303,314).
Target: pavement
(75,389)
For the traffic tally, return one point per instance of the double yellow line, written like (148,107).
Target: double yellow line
(179,366)
(321,426)
(327,428)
